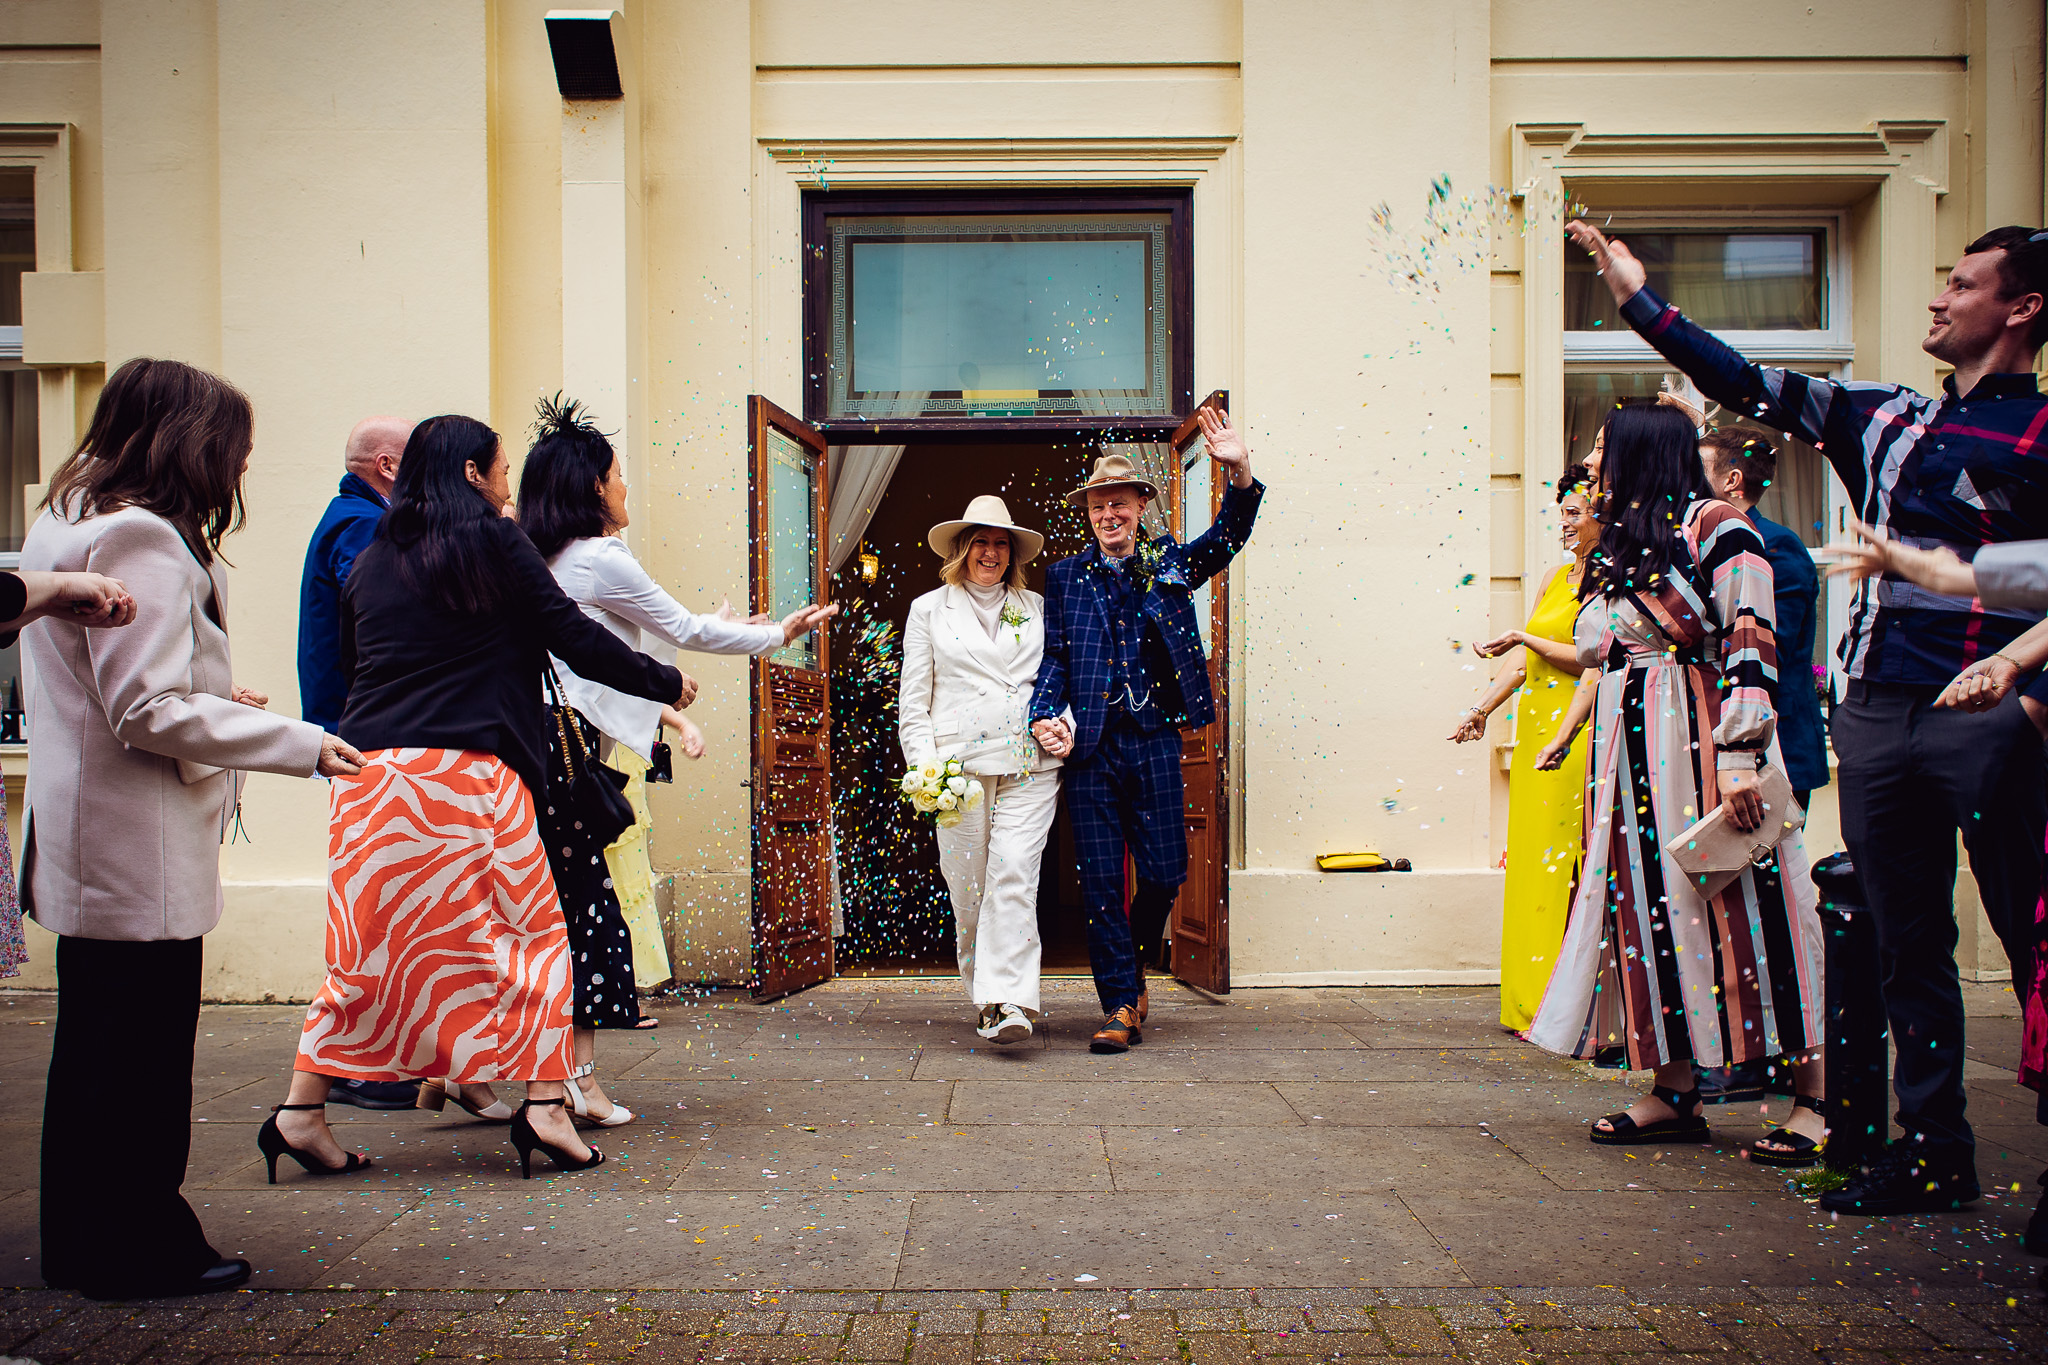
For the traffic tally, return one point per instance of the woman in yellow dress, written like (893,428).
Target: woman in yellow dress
(1545,833)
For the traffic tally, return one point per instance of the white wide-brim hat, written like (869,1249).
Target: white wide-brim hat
(987,510)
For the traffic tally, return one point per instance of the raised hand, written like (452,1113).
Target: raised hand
(803,620)
(1873,552)
(1617,264)
(1498,645)
(1225,446)
(726,613)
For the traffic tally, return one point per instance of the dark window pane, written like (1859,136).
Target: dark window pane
(1726,281)
(1010,316)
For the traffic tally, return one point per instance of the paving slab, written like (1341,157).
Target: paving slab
(1172,1103)
(558,1236)
(1572,1161)
(878,1157)
(1220,1159)
(1146,1239)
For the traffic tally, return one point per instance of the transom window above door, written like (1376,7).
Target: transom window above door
(947,314)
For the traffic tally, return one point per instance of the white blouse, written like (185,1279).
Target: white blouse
(601,575)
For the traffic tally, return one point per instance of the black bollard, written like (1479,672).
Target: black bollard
(1858,1037)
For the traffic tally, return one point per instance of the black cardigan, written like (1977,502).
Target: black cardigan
(420,676)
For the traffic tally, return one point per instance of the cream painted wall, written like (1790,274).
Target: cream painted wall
(359,208)
(1366,410)
(298,197)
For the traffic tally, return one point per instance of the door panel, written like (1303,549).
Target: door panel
(1201,917)
(792,711)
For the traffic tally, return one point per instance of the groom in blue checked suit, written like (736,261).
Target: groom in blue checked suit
(1123,675)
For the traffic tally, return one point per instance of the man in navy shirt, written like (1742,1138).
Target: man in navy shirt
(1740,465)
(345,531)
(1962,469)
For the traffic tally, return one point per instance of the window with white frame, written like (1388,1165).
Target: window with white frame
(1773,286)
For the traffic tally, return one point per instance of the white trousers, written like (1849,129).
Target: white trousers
(990,861)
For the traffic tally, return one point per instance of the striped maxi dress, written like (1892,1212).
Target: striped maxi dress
(1648,963)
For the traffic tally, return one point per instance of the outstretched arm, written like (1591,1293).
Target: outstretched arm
(1816,411)
(1210,553)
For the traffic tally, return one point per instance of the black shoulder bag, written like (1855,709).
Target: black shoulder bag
(594,794)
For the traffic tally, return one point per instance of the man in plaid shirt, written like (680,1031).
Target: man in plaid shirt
(1123,674)
(1963,469)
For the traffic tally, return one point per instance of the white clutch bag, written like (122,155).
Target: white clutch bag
(1712,852)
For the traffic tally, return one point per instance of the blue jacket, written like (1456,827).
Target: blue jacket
(345,531)
(1079,651)
(1802,731)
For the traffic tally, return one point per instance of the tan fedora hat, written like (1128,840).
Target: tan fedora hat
(986,510)
(1112,471)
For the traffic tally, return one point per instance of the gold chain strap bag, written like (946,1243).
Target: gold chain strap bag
(1712,852)
(594,792)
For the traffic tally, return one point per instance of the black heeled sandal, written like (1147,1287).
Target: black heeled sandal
(1623,1131)
(1800,1150)
(528,1141)
(272,1144)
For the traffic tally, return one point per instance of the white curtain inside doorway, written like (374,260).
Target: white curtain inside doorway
(859,477)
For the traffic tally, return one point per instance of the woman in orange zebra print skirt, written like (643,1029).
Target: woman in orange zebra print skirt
(447,954)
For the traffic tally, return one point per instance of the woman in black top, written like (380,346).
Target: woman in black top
(447,955)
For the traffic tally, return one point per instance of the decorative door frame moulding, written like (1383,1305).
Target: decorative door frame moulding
(1210,167)
(1903,163)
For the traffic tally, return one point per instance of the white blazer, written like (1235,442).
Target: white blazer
(601,576)
(965,696)
(136,752)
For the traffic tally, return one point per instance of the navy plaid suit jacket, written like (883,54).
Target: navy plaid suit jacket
(1078,651)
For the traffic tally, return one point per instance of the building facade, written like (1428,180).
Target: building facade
(1344,215)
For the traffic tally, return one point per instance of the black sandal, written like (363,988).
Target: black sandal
(1623,1131)
(1800,1150)
(273,1145)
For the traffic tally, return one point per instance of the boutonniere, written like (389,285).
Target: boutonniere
(1013,616)
(1145,561)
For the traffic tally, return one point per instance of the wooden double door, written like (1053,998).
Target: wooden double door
(791,784)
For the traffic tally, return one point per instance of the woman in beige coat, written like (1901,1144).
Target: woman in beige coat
(137,741)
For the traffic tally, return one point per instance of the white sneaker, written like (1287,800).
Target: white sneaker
(1004,1024)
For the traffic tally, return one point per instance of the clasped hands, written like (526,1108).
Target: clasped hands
(1056,737)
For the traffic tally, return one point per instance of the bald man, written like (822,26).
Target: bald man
(371,458)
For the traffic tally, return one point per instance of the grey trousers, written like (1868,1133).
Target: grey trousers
(1912,776)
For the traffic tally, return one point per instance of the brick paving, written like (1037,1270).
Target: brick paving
(1509,1326)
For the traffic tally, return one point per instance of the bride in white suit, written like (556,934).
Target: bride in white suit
(970,659)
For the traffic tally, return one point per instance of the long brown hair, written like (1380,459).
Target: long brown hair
(170,439)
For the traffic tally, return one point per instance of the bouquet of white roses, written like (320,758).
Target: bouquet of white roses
(941,789)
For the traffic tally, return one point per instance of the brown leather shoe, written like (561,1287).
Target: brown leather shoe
(1144,1003)
(1117,1033)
